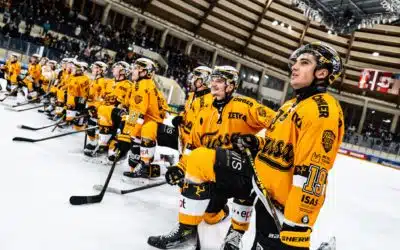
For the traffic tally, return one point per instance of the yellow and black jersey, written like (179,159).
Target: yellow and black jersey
(78,86)
(117,92)
(195,103)
(35,71)
(299,149)
(97,90)
(146,102)
(13,69)
(216,126)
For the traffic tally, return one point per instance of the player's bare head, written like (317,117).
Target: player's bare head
(314,63)
(143,68)
(120,70)
(199,78)
(224,80)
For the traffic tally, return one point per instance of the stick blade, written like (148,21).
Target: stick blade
(24,139)
(81,200)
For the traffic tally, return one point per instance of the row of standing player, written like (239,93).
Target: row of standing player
(291,162)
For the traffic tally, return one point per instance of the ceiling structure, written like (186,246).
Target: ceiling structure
(270,30)
(346,16)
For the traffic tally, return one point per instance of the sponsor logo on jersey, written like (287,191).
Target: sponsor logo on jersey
(317,158)
(277,149)
(323,107)
(328,138)
(199,189)
(242,100)
(297,120)
(237,115)
(313,201)
(182,203)
(261,112)
(211,140)
(138,99)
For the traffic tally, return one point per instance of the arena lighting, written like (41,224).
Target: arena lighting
(375,54)
(350,20)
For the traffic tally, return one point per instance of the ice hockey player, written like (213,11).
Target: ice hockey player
(32,78)
(77,93)
(199,98)
(48,76)
(12,70)
(291,163)
(97,90)
(56,95)
(215,127)
(109,113)
(147,108)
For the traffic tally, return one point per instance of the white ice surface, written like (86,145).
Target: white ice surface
(36,180)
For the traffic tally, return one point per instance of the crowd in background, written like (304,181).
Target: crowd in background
(70,34)
(374,137)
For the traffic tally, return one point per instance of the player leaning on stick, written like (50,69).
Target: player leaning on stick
(216,126)
(291,163)
(199,98)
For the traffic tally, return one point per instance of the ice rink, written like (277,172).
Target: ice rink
(36,180)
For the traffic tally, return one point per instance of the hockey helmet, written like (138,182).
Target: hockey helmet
(145,64)
(229,73)
(326,57)
(80,66)
(103,66)
(201,72)
(124,66)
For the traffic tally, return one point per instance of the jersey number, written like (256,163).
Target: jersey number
(316,181)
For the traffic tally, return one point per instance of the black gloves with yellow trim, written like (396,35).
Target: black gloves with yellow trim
(174,175)
(250,141)
(295,237)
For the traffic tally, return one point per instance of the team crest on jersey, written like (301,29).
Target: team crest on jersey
(328,137)
(138,99)
(261,112)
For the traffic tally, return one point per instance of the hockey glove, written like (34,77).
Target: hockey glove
(241,142)
(295,237)
(174,175)
(177,121)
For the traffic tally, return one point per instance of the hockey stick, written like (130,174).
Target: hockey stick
(9,94)
(127,191)
(39,128)
(24,139)
(20,110)
(262,192)
(81,200)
